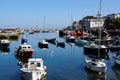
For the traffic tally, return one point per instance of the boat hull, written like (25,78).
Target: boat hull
(61,44)
(32,75)
(24,53)
(4,44)
(95,50)
(89,65)
(41,45)
(51,40)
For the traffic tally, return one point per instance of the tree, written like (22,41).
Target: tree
(112,24)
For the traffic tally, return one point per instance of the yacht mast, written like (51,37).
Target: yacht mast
(44,23)
(99,25)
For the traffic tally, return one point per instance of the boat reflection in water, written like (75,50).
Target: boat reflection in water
(4,50)
(60,44)
(101,56)
(43,48)
(22,60)
(95,76)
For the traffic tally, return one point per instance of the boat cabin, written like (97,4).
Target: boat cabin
(25,46)
(4,41)
(35,64)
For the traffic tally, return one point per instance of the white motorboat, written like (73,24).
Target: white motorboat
(34,70)
(96,65)
(4,43)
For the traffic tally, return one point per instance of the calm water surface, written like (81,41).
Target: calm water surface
(62,63)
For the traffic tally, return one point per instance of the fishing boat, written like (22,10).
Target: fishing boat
(4,43)
(96,64)
(70,38)
(51,40)
(43,44)
(60,43)
(24,50)
(33,70)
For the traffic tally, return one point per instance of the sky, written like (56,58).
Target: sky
(57,13)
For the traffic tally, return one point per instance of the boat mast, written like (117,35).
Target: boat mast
(99,25)
(71,19)
(44,23)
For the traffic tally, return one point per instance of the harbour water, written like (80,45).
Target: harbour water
(62,63)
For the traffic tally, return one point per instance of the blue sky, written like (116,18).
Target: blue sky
(30,13)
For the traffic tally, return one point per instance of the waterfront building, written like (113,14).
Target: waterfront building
(93,23)
(113,16)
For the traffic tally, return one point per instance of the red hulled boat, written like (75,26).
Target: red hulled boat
(24,50)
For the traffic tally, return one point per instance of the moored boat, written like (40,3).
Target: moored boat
(43,44)
(4,43)
(70,38)
(61,43)
(24,50)
(51,40)
(96,65)
(34,70)
(95,48)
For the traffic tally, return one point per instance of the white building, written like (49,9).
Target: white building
(93,23)
(113,16)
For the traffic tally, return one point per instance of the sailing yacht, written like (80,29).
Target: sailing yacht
(43,43)
(96,64)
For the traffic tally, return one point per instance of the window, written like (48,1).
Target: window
(38,64)
(32,63)
(28,46)
(94,64)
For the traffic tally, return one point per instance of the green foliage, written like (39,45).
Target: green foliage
(112,24)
